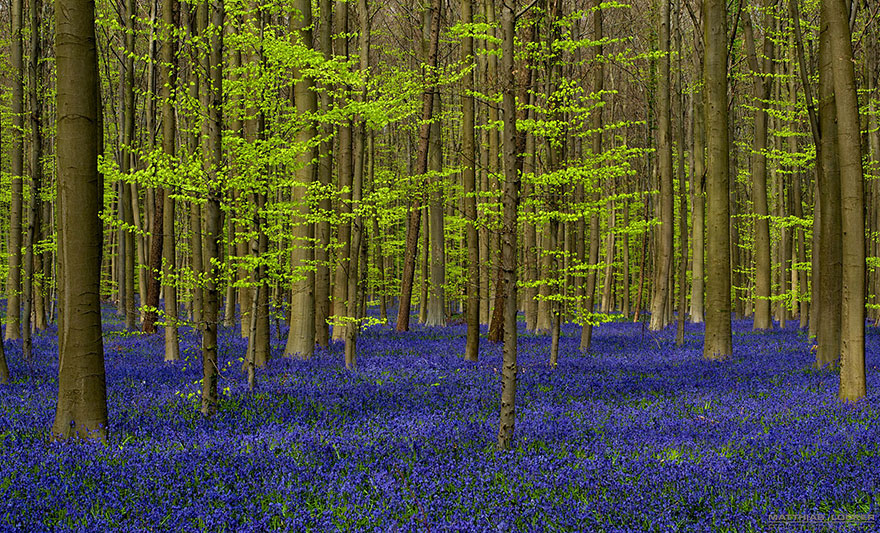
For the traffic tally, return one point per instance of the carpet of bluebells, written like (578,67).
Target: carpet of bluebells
(636,436)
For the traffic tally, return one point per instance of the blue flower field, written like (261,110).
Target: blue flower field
(637,436)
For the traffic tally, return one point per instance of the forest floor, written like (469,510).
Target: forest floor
(636,436)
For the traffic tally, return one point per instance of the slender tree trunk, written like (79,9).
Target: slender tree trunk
(596,126)
(423,263)
(13,290)
(412,235)
(510,201)
(468,158)
(608,282)
(127,238)
(763,87)
(626,289)
(356,288)
(301,338)
(214,221)
(698,225)
(664,148)
(168,80)
(324,177)
(345,171)
(82,396)
(682,197)
(718,343)
(35,203)
(437,299)
(4,367)
(155,264)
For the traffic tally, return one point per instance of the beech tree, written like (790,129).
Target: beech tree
(13,283)
(718,343)
(81,410)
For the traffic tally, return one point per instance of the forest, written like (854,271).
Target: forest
(458,265)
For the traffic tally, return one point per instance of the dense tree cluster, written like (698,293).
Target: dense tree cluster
(207,163)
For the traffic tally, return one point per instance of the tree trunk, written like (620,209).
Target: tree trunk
(345,170)
(852,355)
(762,91)
(596,126)
(324,177)
(155,265)
(682,198)
(213,88)
(82,396)
(437,299)
(718,342)
(301,337)
(827,282)
(168,80)
(356,289)
(412,235)
(698,158)
(664,148)
(35,204)
(512,168)
(13,286)
(468,177)
(608,281)
(127,238)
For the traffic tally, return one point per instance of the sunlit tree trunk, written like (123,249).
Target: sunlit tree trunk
(682,193)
